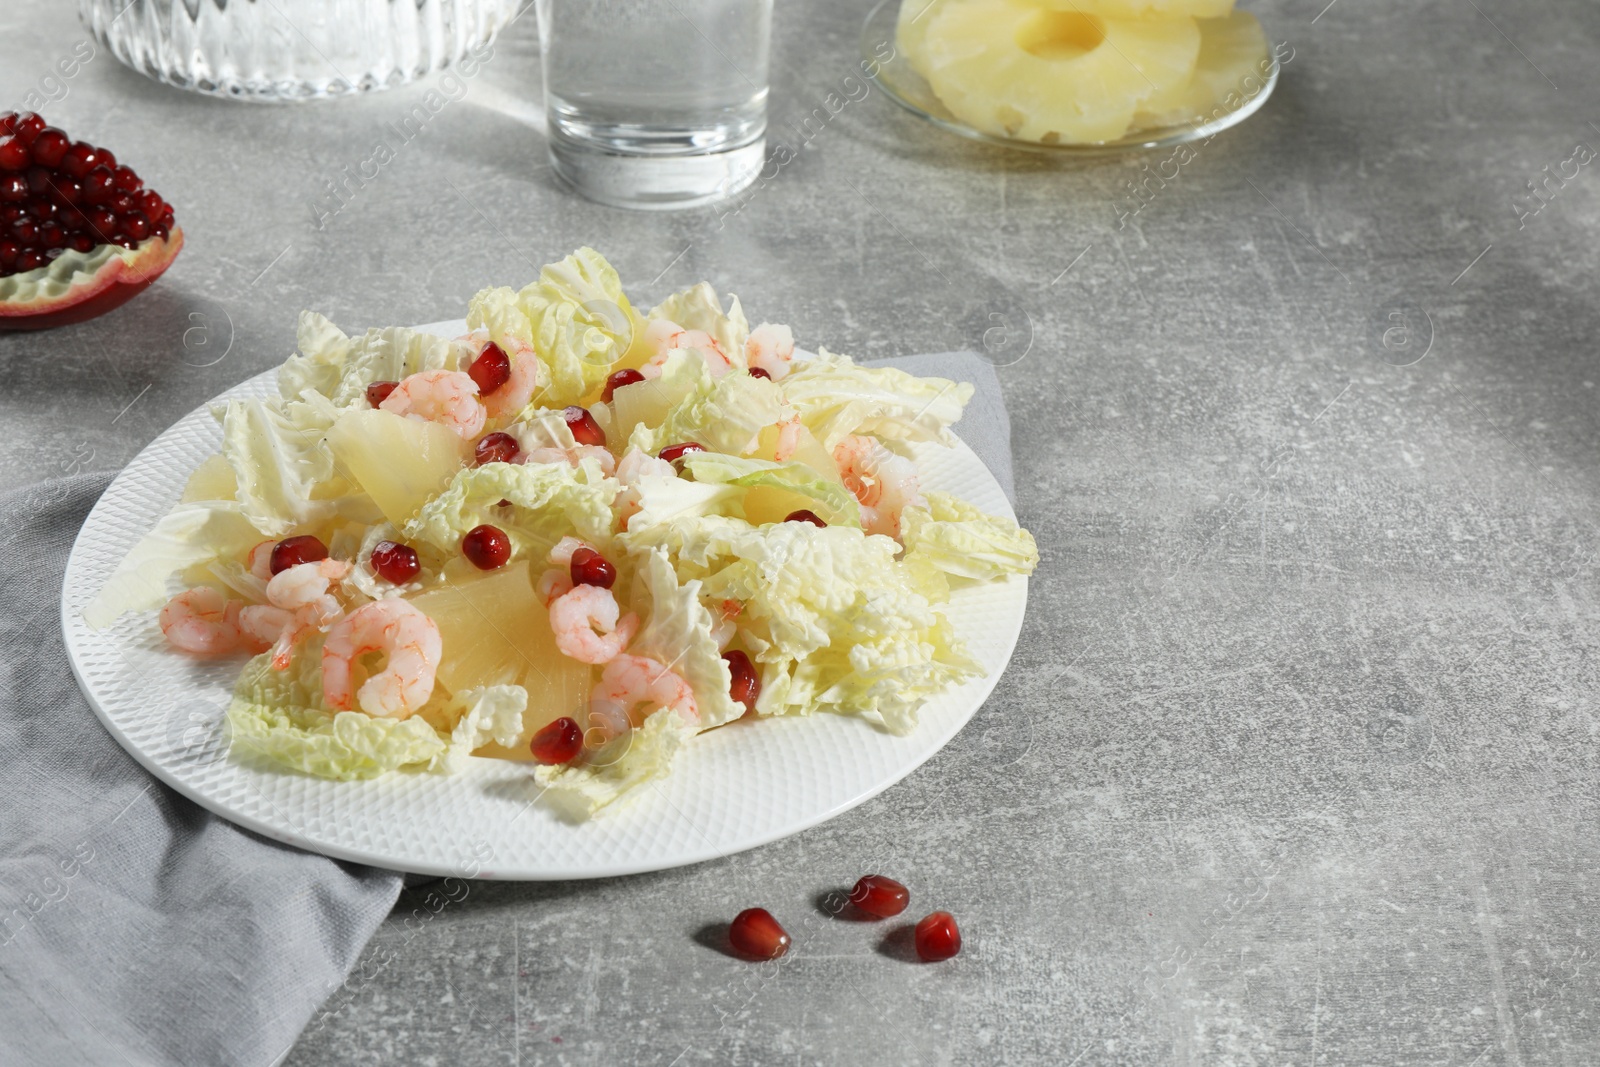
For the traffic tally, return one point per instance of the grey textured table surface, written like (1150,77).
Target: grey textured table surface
(1295,763)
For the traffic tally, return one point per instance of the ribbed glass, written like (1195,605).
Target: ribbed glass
(275,50)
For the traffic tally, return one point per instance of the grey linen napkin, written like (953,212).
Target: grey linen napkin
(135,926)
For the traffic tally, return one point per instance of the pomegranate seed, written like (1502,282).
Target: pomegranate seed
(127,180)
(880,896)
(13,188)
(99,186)
(107,158)
(51,235)
(161,231)
(102,224)
(486,546)
(937,937)
(746,684)
(673,453)
(293,550)
(491,369)
(378,392)
(80,159)
(804,516)
(756,933)
(39,180)
(135,226)
(81,242)
(559,742)
(150,203)
(28,126)
(69,191)
(758,372)
(395,562)
(9,252)
(589,567)
(584,429)
(29,260)
(496,447)
(13,154)
(48,148)
(26,231)
(617,380)
(123,203)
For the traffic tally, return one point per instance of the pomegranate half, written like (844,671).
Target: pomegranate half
(79,234)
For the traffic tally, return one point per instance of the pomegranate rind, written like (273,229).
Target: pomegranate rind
(76,287)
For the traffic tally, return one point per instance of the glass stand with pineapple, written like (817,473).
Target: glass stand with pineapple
(1076,76)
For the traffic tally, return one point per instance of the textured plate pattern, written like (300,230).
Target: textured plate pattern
(732,789)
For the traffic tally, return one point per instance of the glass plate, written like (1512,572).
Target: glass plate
(908,89)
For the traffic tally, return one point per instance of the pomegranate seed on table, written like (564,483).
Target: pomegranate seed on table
(746,683)
(937,937)
(497,447)
(293,550)
(558,742)
(584,429)
(486,546)
(491,369)
(673,453)
(395,562)
(756,933)
(48,148)
(804,516)
(378,392)
(589,567)
(617,380)
(758,372)
(880,896)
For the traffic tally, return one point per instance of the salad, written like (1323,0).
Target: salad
(577,535)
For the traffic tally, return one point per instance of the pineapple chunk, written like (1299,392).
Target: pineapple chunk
(1233,51)
(496,632)
(212,480)
(1039,74)
(399,462)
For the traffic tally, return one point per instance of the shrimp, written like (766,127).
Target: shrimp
(575,616)
(788,439)
(770,347)
(553,584)
(203,622)
(408,638)
(630,681)
(299,605)
(667,337)
(561,555)
(573,456)
(448,397)
(508,401)
(260,560)
(634,468)
(883,483)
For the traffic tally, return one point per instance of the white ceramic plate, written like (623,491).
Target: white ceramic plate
(732,789)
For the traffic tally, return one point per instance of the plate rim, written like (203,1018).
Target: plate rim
(70,617)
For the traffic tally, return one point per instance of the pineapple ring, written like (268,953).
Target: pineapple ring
(1234,62)
(1038,74)
(1143,9)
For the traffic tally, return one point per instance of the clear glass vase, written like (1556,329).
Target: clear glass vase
(278,50)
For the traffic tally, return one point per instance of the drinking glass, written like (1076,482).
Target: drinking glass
(656,103)
(275,50)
